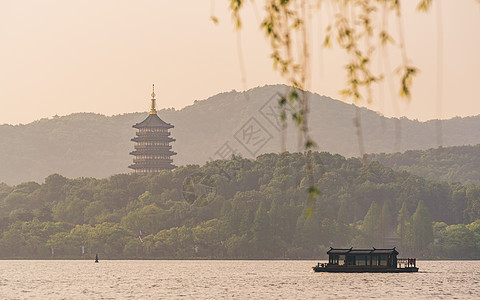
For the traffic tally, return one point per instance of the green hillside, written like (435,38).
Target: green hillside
(451,164)
(93,145)
(241,208)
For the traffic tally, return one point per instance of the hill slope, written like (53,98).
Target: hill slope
(254,209)
(461,163)
(94,145)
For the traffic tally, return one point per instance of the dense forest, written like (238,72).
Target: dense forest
(450,164)
(241,208)
(93,145)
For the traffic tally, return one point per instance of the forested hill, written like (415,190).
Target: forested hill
(93,145)
(241,208)
(460,163)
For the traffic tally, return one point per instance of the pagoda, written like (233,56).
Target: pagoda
(152,144)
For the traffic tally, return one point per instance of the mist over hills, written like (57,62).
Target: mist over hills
(93,145)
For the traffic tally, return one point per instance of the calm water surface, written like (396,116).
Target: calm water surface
(70,279)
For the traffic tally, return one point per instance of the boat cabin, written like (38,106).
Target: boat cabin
(363,257)
(366,260)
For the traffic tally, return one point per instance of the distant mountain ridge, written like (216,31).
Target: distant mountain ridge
(245,123)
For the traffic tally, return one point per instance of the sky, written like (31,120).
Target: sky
(59,57)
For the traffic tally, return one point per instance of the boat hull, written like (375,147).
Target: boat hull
(364,270)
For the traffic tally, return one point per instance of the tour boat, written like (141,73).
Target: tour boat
(366,260)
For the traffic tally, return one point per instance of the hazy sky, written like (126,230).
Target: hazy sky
(60,57)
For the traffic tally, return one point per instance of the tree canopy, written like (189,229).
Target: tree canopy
(255,209)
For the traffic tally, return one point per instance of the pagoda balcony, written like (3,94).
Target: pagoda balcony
(152,134)
(151,147)
(165,139)
(143,170)
(153,152)
(150,165)
(150,161)
(139,154)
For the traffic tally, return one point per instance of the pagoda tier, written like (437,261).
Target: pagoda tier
(152,152)
(152,144)
(153,138)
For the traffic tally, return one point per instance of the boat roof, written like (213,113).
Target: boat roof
(352,251)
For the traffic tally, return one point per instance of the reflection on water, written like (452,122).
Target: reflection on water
(229,279)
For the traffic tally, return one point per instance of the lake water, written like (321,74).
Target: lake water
(155,279)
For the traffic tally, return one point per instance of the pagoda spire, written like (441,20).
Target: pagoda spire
(153,110)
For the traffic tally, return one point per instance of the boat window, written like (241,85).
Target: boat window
(341,260)
(375,260)
(382,260)
(350,260)
(361,260)
(333,259)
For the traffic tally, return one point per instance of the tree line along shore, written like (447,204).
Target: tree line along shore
(246,209)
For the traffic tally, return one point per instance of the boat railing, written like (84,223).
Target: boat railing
(406,262)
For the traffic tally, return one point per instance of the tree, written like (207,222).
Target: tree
(54,187)
(343,215)
(149,219)
(70,211)
(93,212)
(404,227)
(238,246)
(422,228)
(473,207)
(475,228)
(109,238)
(261,231)
(57,243)
(175,242)
(385,222)
(370,225)
(80,236)
(12,242)
(239,226)
(208,237)
(459,242)
(282,220)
